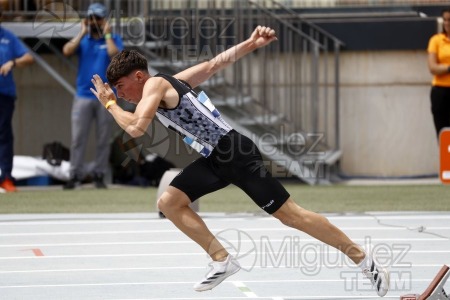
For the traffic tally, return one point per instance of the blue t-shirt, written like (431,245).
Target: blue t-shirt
(93,59)
(11,47)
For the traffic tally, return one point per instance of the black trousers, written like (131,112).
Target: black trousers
(235,160)
(7,104)
(440,107)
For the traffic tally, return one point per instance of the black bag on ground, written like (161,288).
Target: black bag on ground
(124,162)
(153,168)
(54,153)
(130,166)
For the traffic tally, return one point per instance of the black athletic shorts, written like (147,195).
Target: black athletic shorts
(236,160)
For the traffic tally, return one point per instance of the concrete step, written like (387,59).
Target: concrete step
(262,120)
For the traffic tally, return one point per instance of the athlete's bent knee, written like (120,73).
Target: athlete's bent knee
(162,205)
(167,202)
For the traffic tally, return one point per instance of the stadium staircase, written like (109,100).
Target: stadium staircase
(285,96)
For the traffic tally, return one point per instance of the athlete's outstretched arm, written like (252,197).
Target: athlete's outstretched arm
(261,36)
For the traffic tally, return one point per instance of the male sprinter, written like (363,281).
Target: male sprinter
(227,156)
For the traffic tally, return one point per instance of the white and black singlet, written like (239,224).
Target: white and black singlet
(228,157)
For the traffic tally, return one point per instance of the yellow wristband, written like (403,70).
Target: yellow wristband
(109,103)
(108,36)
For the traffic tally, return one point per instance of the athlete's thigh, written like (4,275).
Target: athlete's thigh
(198,179)
(267,192)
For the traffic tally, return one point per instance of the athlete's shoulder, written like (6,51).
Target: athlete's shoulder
(155,82)
(155,86)
(162,89)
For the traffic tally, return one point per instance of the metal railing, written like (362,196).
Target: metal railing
(21,9)
(311,66)
(293,83)
(286,93)
(330,46)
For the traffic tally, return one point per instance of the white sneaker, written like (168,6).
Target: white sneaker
(220,270)
(378,276)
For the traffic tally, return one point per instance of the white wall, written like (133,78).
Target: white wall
(386,122)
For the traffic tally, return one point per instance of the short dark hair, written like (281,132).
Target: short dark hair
(124,63)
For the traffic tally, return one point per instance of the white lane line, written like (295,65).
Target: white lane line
(244,289)
(177,268)
(88,232)
(100,270)
(196,298)
(266,282)
(271,298)
(94,284)
(10,222)
(102,255)
(98,244)
(261,229)
(381,216)
(268,298)
(327,251)
(305,240)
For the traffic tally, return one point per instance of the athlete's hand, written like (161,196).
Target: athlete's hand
(102,91)
(262,36)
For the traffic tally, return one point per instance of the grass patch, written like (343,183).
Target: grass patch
(333,199)
(79,201)
(340,198)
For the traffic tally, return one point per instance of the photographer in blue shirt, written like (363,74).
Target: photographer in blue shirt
(95,45)
(13,54)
